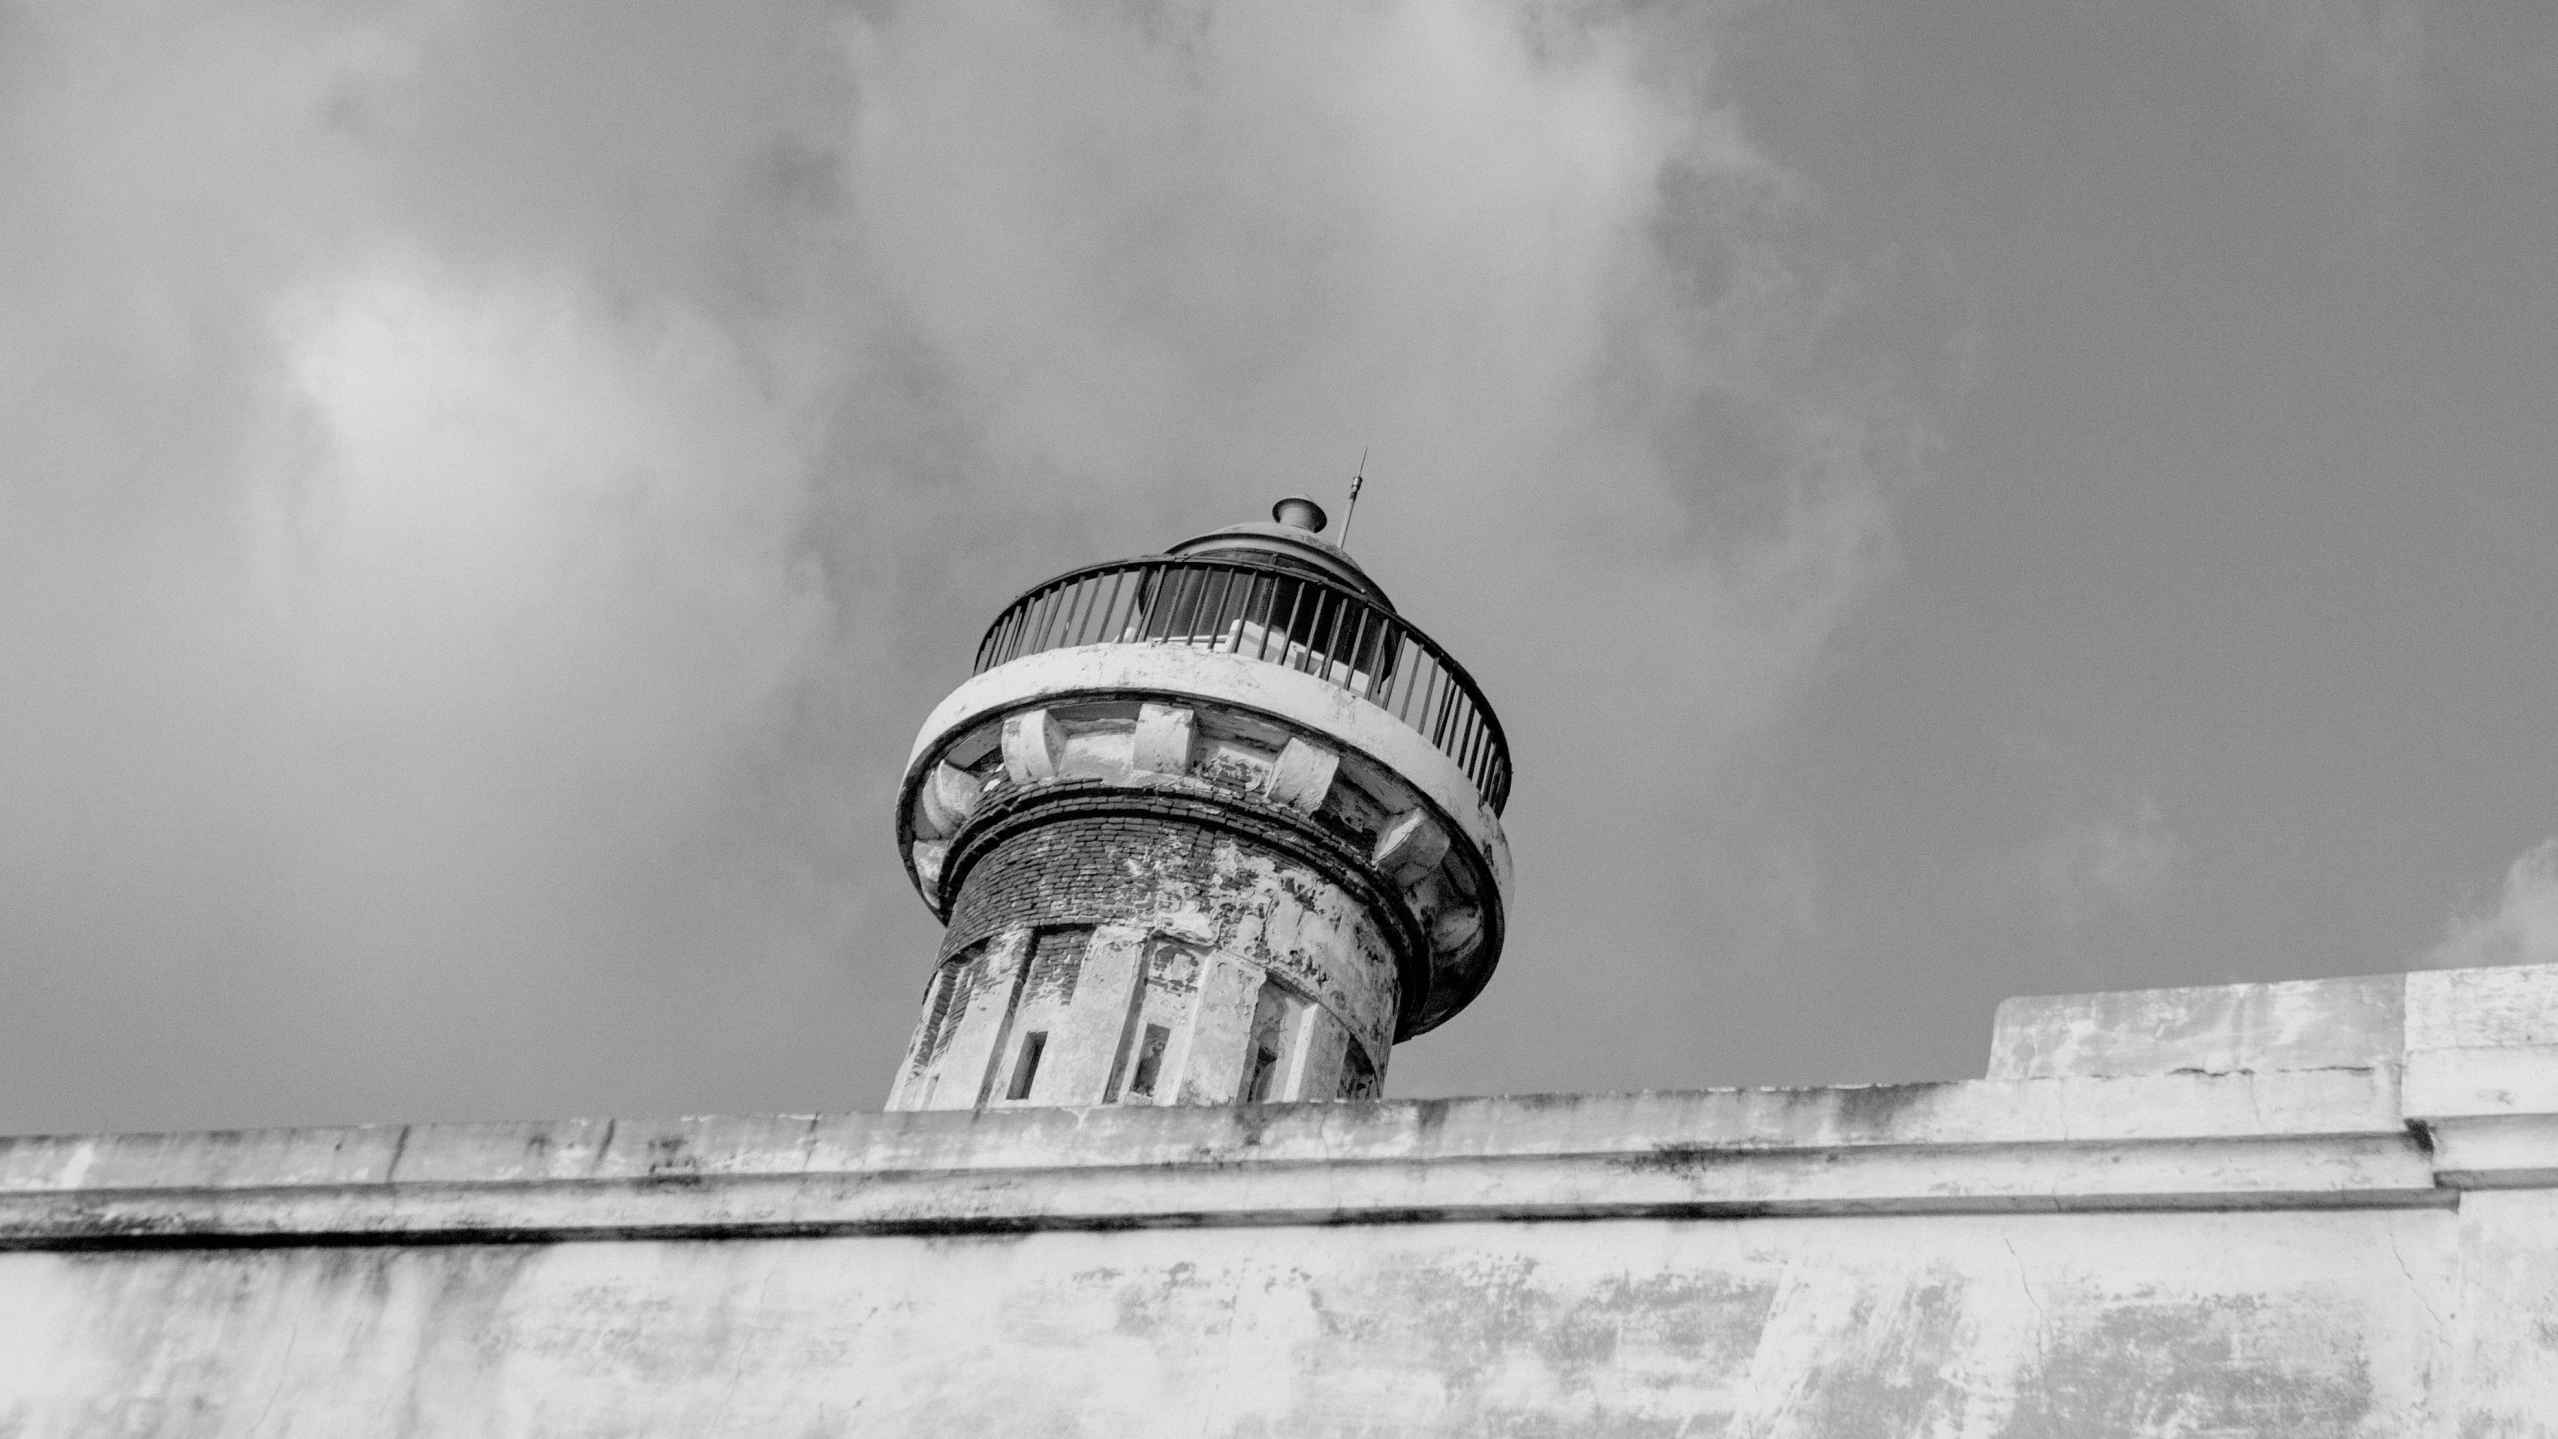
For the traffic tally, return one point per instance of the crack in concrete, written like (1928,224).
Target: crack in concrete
(399,1151)
(283,1363)
(2433,1316)
(2042,1319)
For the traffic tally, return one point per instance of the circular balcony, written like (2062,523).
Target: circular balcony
(1276,614)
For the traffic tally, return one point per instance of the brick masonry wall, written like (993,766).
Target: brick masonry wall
(1082,871)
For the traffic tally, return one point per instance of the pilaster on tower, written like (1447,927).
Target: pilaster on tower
(1215,826)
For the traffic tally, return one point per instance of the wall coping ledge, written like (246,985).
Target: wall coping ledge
(2458,1091)
(2308,1139)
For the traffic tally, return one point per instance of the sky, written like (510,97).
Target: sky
(1949,501)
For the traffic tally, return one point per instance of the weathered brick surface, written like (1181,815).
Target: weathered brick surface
(1265,831)
(1058,959)
(1082,871)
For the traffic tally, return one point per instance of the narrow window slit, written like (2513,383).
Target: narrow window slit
(1150,1060)
(1278,1024)
(1128,1024)
(1265,1067)
(1027,1068)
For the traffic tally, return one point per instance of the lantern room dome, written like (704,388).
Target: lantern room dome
(1291,540)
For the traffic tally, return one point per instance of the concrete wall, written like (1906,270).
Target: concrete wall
(2313,1223)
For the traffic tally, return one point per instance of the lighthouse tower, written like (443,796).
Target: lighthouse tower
(1215,826)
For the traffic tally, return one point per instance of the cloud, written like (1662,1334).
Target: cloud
(2357,67)
(2092,871)
(2521,929)
(491,488)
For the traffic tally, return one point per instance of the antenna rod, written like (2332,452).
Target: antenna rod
(1352,512)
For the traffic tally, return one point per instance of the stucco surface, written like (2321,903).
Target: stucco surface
(2237,1240)
(2049,1325)
(1203,675)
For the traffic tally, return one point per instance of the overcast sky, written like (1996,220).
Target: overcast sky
(1950,501)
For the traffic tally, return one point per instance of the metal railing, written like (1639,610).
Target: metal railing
(1279,616)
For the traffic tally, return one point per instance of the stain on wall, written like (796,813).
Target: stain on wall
(1191,880)
(2080,1325)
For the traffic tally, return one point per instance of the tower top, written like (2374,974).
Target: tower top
(1291,541)
(1217,825)
(1299,511)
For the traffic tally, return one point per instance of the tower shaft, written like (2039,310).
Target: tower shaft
(1140,956)
(1205,828)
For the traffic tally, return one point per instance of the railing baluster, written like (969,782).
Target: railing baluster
(1070,614)
(1027,642)
(1097,614)
(1288,631)
(1123,621)
(1063,636)
(1087,594)
(1016,643)
(1222,615)
(1047,638)
(1203,616)
(1035,633)
(988,649)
